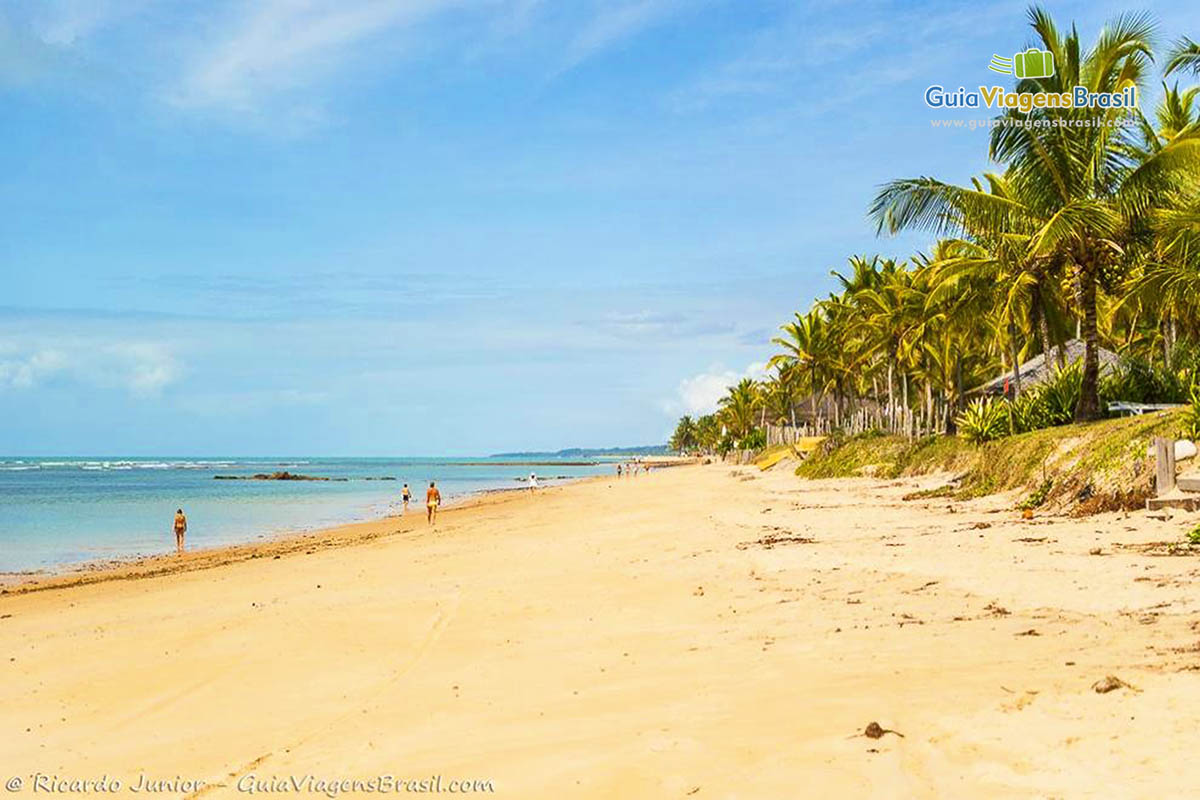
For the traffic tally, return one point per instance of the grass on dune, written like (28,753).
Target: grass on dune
(1086,467)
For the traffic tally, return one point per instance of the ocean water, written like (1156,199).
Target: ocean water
(61,511)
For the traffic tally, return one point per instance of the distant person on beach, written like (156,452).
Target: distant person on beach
(433,498)
(618,470)
(405,495)
(180,529)
(532,481)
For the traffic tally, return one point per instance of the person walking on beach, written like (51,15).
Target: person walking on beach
(180,529)
(405,495)
(618,470)
(433,498)
(532,481)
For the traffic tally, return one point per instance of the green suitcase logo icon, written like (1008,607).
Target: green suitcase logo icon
(1034,63)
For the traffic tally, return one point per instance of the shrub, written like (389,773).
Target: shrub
(984,420)
(1061,394)
(1139,381)
(1193,536)
(755,440)
(1039,497)
(1185,362)
(1029,411)
(1191,417)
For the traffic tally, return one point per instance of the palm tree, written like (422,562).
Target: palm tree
(739,408)
(1083,198)
(684,439)
(887,313)
(1184,55)
(1000,272)
(708,433)
(805,351)
(781,394)
(1165,285)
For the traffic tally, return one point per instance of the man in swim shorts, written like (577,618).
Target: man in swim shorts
(433,498)
(405,495)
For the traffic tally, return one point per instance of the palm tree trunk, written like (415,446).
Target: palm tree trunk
(1089,394)
(1041,325)
(952,425)
(1016,361)
(1166,343)
(1168,339)
(875,396)
(928,407)
(891,404)
(812,400)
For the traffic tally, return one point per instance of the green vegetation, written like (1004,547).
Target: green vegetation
(1039,496)
(1193,536)
(1088,225)
(1085,235)
(685,437)
(1191,417)
(875,453)
(1086,467)
(738,423)
(985,420)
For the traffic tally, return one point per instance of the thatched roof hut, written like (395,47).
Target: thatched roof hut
(1040,369)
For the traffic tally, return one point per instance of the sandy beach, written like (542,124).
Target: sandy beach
(702,631)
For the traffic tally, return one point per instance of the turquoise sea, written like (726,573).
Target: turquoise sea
(62,511)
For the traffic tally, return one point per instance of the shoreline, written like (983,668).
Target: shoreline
(349,534)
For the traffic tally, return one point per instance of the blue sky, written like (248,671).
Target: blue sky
(436,227)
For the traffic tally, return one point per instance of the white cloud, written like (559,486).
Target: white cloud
(699,394)
(64,22)
(144,369)
(23,371)
(272,63)
(810,45)
(614,23)
(277,44)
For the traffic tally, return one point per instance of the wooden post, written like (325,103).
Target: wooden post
(1164,456)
